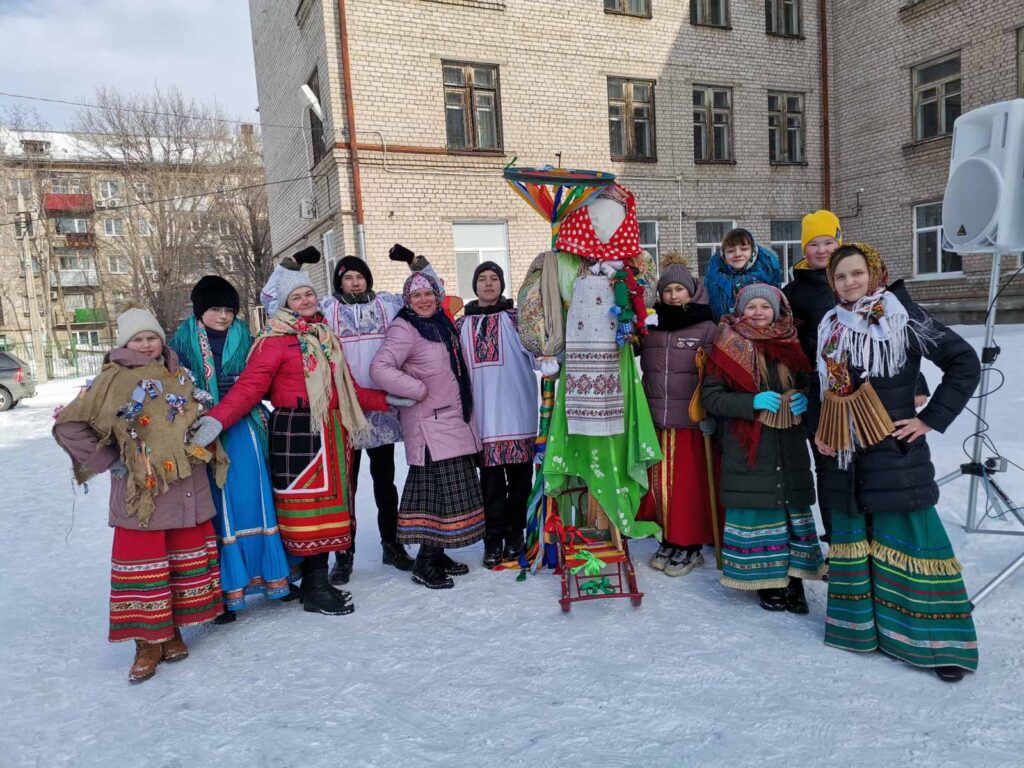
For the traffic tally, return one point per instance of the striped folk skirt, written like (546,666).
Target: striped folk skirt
(895,584)
(310,476)
(163,579)
(442,504)
(679,499)
(762,548)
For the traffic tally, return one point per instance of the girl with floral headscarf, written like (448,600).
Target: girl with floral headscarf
(421,360)
(894,581)
(757,383)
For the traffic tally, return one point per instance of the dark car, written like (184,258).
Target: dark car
(16,381)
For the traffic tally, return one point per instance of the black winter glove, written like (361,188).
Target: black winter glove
(401,253)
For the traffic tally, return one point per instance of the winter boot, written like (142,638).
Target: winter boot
(449,567)
(494,552)
(683,561)
(513,549)
(294,593)
(175,648)
(227,617)
(660,558)
(319,597)
(427,570)
(342,570)
(147,656)
(950,674)
(796,601)
(772,599)
(395,554)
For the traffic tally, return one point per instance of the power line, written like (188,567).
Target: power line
(221,191)
(148,111)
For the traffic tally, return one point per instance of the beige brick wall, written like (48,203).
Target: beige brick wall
(554,58)
(874,46)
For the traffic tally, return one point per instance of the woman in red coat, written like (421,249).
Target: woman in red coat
(317,406)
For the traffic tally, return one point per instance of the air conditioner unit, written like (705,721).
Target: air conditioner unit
(307,209)
(113,202)
(101,203)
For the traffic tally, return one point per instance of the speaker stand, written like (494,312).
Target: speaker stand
(977,470)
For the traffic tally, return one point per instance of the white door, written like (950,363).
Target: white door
(476,243)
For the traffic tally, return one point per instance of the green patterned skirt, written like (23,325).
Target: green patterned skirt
(762,548)
(895,584)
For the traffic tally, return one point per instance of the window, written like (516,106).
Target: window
(35,147)
(35,266)
(119,298)
(118,264)
(113,227)
(224,228)
(709,13)
(471,106)
(782,17)
(710,234)
(67,185)
(229,262)
(20,187)
(144,191)
(629,7)
(109,189)
(476,243)
(712,124)
(23,225)
(73,259)
(929,257)
(936,97)
(786,243)
(649,239)
(149,263)
(785,127)
(85,338)
(79,301)
(631,119)
(67,226)
(144,227)
(316,125)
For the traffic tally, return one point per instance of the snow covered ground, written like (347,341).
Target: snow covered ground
(491,672)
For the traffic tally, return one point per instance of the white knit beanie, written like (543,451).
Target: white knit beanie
(291,280)
(135,320)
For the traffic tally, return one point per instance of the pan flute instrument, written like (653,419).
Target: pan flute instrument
(863,410)
(783,418)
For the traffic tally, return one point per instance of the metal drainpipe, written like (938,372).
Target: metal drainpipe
(826,144)
(350,116)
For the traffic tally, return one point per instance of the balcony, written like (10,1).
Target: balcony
(60,204)
(74,278)
(80,240)
(89,315)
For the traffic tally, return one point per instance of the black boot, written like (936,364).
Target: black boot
(449,567)
(395,554)
(226,618)
(513,549)
(772,599)
(494,552)
(950,674)
(342,570)
(426,570)
(319,597)
(796,601)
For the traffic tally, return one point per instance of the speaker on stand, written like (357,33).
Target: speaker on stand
(983,212)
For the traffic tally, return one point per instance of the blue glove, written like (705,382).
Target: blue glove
(798,404)
(767,401)
(708,425)
(118,469)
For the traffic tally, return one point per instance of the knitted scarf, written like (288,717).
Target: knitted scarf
(734,360)
(322,363)
(192,343)
(439,328)
(473,308)
(671,318)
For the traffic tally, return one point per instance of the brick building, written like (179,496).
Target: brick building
(673,97)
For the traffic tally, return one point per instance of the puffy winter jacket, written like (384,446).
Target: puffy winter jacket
(781,475)
(408,365)
(275,367)
(668,360)
(897,476)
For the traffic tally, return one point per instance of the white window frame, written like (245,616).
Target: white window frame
(109,188)
(500,256)
(113,227)
(80,226)
(144,227)
(118,264)
(789,248)
(715,247)
(67,185)
(652,248)
(75,259)
(937,231)
(86,339)
(23,185)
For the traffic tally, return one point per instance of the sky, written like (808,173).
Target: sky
(66,49)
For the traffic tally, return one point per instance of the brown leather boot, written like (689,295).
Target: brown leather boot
(175,648)
(147,656)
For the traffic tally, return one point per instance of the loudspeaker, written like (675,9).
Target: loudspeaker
(983,208)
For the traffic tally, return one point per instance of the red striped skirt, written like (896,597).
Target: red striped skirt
(679,498)
(164,579)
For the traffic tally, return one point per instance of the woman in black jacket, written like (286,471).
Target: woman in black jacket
(894,582)
(756,365)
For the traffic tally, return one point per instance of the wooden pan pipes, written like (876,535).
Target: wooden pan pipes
(863,410)
(783,418)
